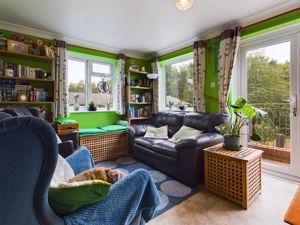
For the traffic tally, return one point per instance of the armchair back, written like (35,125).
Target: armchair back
(28,156)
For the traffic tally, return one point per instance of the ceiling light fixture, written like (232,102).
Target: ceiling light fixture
(184,4)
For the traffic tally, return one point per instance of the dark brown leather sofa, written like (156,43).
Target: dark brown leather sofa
(183,160)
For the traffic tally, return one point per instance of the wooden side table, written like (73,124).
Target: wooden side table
(234,175)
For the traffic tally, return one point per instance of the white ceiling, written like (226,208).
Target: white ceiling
(135,26)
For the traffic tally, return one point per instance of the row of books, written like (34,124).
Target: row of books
(35,95)
(22,71)
(140,83)
(140,112)
(144,97)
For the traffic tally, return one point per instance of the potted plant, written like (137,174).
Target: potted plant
(181,106)
(241,114)
(92,106)
(170,105)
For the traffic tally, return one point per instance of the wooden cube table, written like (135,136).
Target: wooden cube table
(234,175)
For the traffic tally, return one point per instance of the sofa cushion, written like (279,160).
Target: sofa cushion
(157,133)
(142,152)
(204,121)
(166,148)
(184,133)
(146,142)
(174,121)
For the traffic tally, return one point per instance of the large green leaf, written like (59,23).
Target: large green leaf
(249,111)
(239,104)
(223,128)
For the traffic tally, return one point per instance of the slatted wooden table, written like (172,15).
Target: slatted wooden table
(234,175)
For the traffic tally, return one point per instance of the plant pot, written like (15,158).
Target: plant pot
(92,108)
(232,142)
(181,107)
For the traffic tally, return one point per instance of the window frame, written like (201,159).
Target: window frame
(163,83)
(88,77)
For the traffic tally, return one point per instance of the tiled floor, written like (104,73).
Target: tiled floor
(208,209)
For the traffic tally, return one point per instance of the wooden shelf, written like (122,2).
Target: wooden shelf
(141,88)
(24,103)
(140,103)
(26,55)
(29,79)
(140,118)
(138,72)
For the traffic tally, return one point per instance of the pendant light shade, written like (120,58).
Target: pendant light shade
(184,4)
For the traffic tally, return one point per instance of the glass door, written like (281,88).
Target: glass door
(270,84)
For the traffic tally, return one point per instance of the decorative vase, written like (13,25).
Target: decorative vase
(92,108)
(232,142)
(76,107)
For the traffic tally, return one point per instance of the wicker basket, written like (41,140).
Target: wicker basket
(107,146)
(233,175)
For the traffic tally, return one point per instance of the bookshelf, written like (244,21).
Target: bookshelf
(30,76)
(139,96)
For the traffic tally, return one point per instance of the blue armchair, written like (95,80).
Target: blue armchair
(28,157)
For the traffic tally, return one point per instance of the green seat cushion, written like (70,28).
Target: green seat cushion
(67,197)
(85,132)
(114,128)
(63,122)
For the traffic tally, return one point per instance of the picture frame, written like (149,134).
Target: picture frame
(15,46)
(49,52)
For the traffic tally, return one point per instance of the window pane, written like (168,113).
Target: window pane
(179,84)
(101,68)
(76,76)
(269,90)
(101,99)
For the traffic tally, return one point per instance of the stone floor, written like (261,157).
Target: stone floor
(208,209)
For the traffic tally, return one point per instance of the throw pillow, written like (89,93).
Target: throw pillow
(153,132)
(63,171)
(67,197)
(183,133)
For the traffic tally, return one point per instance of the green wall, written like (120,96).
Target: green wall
(94,119)
(211,94)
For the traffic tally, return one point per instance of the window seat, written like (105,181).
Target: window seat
(87,132)
(104,143)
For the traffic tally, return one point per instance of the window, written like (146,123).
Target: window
(84,77)
(179,84)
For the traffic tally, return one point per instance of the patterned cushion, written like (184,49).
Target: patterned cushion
(153,132)
(183,133)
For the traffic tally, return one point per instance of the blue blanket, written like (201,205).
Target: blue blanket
(135,193)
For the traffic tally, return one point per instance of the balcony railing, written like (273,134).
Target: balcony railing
(274,130)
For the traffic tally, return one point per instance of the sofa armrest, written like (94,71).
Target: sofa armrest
(138,130)
(187,143)
(208,139)
(73,136)
(66,148)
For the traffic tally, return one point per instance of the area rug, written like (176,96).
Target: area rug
(171,191)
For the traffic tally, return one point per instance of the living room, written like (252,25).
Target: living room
(157,112)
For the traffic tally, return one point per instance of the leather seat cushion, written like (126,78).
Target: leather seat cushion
(165,147)
(146,152)
(146,142)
